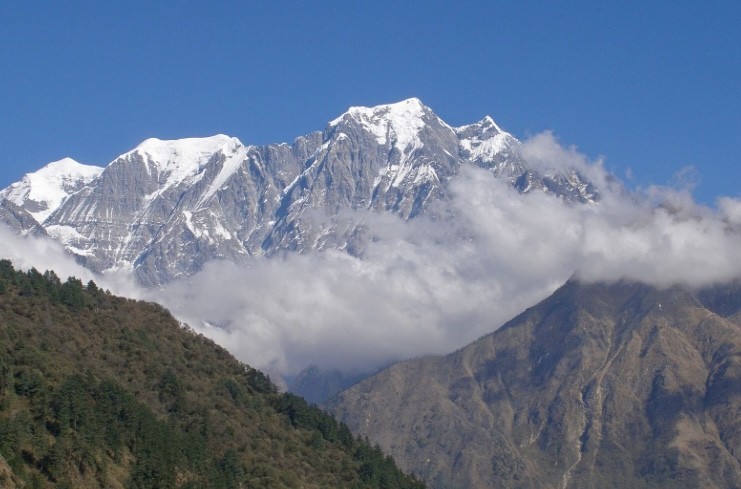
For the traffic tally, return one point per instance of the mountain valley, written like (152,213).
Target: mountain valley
(388,238)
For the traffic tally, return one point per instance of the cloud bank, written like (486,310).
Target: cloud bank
(28,252)
(44,253)
(432,285)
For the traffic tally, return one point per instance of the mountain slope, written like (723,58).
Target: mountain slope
(617,385)
(98,391)
(165,208)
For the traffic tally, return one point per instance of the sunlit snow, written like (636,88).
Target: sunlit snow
(400,122)
(182,160)
(50,186)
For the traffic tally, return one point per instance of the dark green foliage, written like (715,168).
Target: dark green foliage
(92,288)
(259,381)
(71,294)
(376,469)
(97,391)
(230,470)
(27,381)
(7,271)
(303,415)
(170,391)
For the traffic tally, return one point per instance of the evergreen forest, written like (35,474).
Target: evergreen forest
(98,391)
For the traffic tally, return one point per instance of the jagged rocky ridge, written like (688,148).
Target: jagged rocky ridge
(165,208)
(600,385)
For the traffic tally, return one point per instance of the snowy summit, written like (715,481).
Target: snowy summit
(399,123)
(44,190)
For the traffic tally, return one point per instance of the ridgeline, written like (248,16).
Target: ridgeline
(101,391)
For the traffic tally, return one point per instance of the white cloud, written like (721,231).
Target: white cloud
(730,210)
(543,152)
(44,253)
(27,252)
(433,285)
(663,248)
(421,287)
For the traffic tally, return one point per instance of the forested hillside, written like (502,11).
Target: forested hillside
(100,391)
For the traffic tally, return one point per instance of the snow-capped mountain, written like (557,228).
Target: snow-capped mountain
(40,193)
(165,208)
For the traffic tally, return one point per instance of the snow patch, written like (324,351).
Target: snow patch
(189,224)
(221,231)
(425,173)
(488,148)
(65,234)
(199,232)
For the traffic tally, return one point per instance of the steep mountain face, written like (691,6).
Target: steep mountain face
(599,385)
(19,220)
(165,208)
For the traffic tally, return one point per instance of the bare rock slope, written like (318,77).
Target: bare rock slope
(617,385)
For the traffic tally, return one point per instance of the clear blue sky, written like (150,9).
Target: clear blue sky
(652,86)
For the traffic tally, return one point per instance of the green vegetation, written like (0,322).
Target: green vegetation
(100,391)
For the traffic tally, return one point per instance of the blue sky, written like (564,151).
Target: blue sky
(651,86)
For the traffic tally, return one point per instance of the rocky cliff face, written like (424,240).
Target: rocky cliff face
(167,207)
(615,385)
(19,220)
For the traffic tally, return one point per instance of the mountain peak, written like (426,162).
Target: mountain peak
(486,126)
(488,122)
(398,123)
(412,106)
(68,166)
(168,152)
(181,159)
(42,191)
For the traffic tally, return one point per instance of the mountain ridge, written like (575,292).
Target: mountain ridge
(163,209)
(599,385)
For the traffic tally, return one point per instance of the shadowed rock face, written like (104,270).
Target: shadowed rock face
(167,207)
(599,385)
(18,219)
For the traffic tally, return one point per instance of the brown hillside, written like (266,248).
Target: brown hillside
(598,386)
